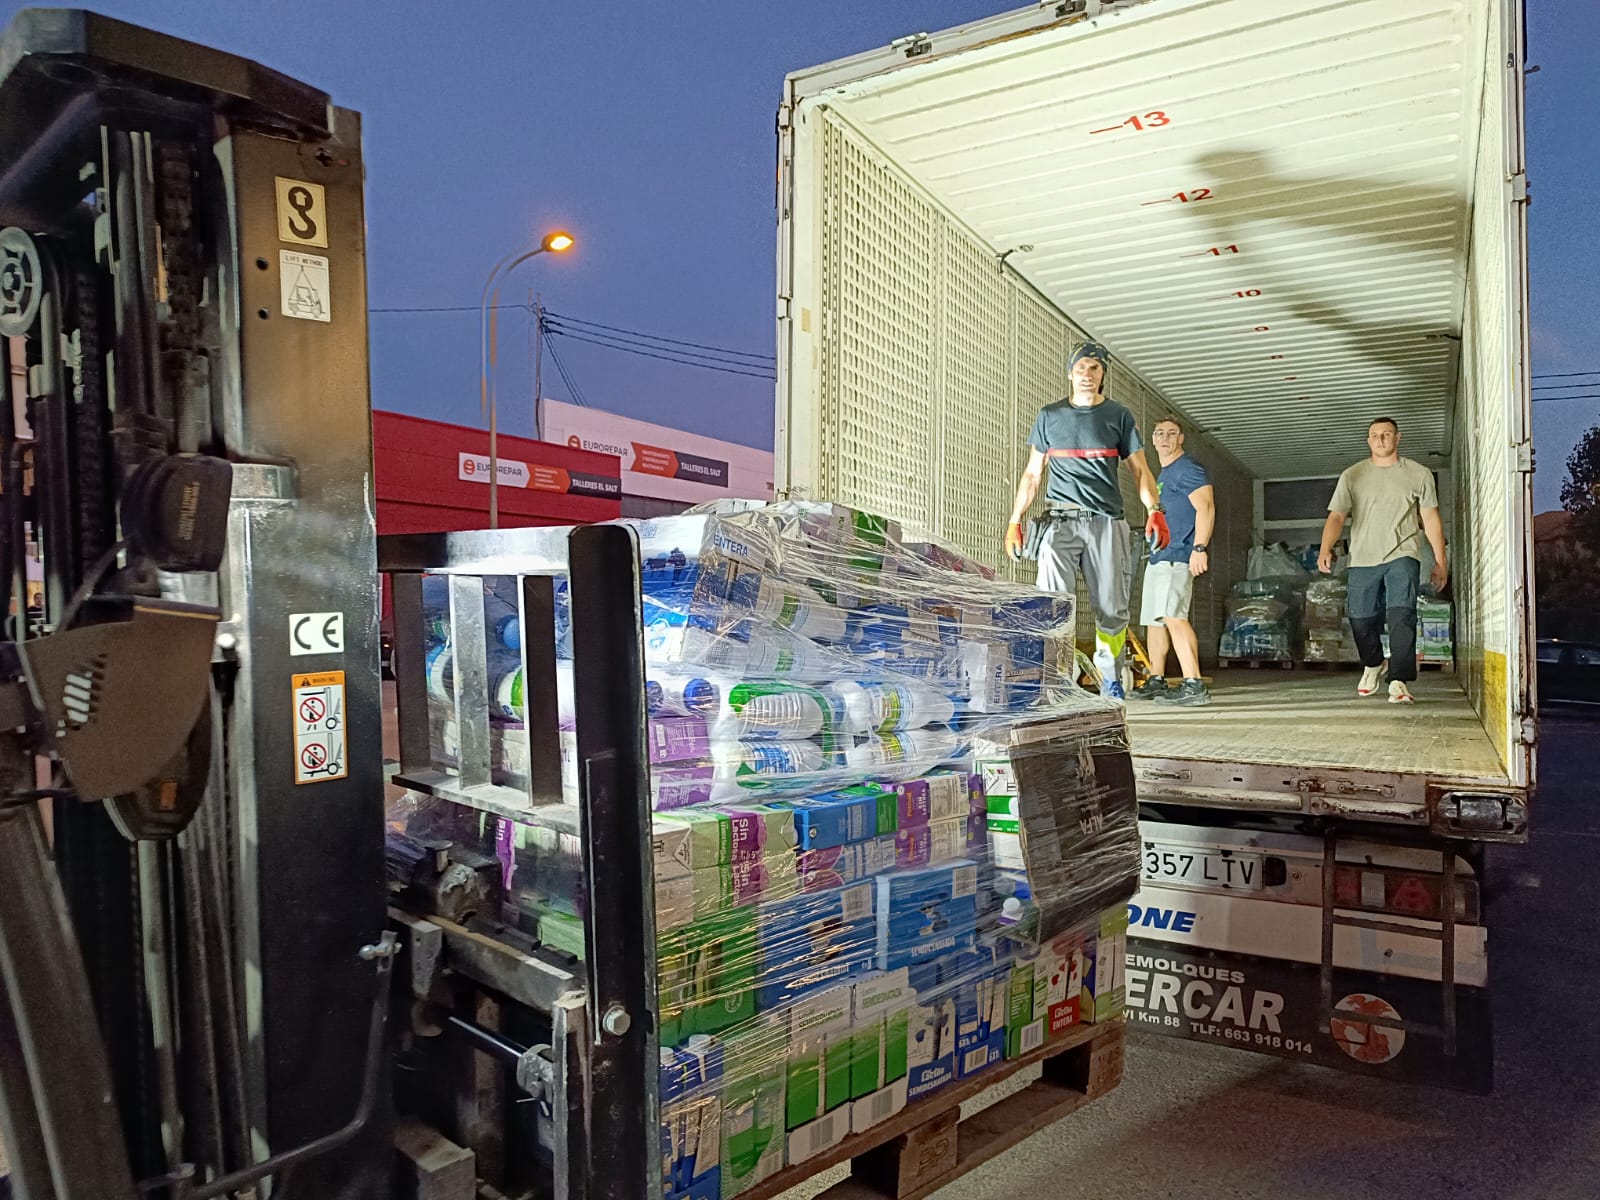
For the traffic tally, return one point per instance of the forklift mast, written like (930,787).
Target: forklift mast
(193,957)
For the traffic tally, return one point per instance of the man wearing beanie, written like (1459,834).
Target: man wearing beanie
(1083,440)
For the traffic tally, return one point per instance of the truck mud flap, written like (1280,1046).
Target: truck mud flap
(1274,1007)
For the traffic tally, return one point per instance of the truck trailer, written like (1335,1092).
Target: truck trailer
(1283,221)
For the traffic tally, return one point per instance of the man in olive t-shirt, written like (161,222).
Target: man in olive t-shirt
(1391,505)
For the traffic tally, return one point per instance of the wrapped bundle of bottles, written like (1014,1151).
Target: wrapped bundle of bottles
(1262,623)
(893,842)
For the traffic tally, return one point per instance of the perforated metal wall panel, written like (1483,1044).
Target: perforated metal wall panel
(879,240)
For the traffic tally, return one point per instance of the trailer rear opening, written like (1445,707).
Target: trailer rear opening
(1283,221)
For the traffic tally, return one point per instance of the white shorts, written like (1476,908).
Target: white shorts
(1168,591)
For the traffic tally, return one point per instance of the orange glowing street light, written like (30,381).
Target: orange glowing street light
(557,241)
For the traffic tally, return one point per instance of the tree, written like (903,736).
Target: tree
(1580,491)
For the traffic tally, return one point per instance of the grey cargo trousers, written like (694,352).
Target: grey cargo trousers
(1099,548)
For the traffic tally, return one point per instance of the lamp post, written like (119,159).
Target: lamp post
(488,327)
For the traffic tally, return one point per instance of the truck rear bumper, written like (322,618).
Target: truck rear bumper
(1477,810)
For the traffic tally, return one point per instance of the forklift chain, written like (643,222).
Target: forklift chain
(92,418)
(180,332)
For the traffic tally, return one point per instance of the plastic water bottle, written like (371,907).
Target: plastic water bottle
(919,748)
(799,610)
(682,696)
(507,697)
(775,711)
(886,707)
(736,759)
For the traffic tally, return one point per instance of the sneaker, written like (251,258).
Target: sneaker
(1111,689)
(1190,693)
(1371,679)
(1399,693)
(1151,689)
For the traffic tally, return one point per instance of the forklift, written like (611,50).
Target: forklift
(223,972)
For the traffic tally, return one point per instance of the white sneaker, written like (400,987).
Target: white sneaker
(1399,693)
(1371,678)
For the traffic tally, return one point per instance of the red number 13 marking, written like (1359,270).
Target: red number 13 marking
(1150,120)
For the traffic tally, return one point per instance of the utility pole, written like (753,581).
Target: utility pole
(538,363)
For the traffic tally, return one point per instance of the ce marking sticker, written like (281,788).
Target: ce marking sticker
(302,212)
(316,633)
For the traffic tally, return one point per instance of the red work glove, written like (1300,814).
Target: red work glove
(1156,532)
(1014,540)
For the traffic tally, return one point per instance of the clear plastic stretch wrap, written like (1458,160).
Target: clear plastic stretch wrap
(893,842)
(1263,618)
(1328,637)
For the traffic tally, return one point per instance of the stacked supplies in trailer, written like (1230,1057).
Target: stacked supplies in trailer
(841,932)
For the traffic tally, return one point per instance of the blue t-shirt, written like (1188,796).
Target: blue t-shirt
(1083,448)
(1179,480)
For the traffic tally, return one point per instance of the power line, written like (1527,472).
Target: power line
(1565,387)
(443,308)
(690,358)
(682,362)
(573,390)
(1594,396)
(654,337)
(1567,375)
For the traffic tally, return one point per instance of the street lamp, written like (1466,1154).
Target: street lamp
(554,242)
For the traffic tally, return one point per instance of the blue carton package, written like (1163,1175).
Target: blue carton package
(813,941)
(691,1119)
(926,914)
(856,814)
(931,1045)
(982,985)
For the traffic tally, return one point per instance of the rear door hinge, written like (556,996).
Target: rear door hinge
(1529,731)
(1524,457)
(915,45)
(1517,185)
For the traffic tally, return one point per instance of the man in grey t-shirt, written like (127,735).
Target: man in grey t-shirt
(1392,505)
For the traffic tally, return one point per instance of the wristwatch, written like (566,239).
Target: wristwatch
(1202,548)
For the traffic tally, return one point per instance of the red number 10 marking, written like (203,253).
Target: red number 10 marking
(1247,294)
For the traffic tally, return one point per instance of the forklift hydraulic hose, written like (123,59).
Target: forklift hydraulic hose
(383,953)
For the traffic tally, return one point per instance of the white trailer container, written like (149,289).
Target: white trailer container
(1283,220)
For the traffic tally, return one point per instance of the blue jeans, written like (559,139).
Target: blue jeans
(1386,595)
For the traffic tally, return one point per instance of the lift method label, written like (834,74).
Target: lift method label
(319,728)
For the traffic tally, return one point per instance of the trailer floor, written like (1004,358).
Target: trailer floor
(1315,719)
(1200,1122)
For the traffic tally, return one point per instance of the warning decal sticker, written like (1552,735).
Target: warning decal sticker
(303,286)
(319,745)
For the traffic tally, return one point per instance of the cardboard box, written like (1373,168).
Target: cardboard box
(930,1045)
(880,1004)
(753,1136)
(1058,983)
(936,797)
(707,972)
(982,996)
(1024,1030)
(715,836)
(839,866)
(855,814)
(742,882)
(817,1085)
(691,1119)
(928,844)
(1104,994)
(814,941)
(926,914)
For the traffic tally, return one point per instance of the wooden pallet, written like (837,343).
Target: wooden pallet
(928,1145)
(1255,664)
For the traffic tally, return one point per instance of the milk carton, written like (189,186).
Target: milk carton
(814,941)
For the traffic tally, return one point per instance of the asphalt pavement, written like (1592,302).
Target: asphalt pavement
(1197,1122)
